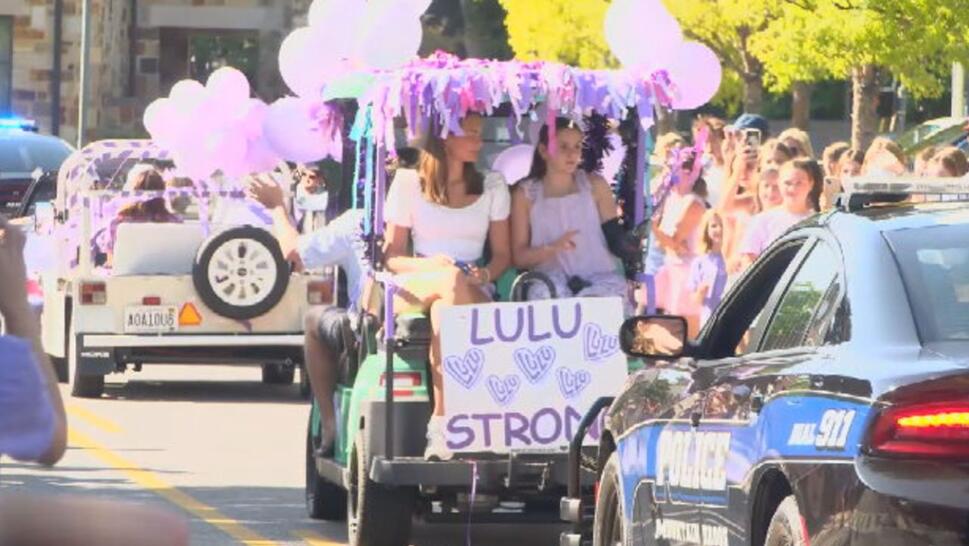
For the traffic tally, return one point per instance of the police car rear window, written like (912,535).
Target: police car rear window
(19,157)
(935,269)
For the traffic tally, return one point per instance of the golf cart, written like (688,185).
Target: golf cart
(514,402)
(210,287)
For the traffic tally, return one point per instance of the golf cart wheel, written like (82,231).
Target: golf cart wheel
(62,369)
(607,529)
(241,273)
(87,386)
(278,374)
(305,390)
(376,515)
(324,500)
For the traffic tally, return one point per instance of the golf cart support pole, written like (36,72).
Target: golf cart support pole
(389,289)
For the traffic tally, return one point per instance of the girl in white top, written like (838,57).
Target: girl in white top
(802,182)
(448,210)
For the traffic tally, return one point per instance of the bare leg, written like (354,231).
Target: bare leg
(431,292)
(321,367)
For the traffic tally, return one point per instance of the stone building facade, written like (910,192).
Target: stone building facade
(138,50)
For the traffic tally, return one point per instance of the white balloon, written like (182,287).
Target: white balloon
(304,66)
(515,162)
(642,34)
(187,94)
(324,13)
(391,41)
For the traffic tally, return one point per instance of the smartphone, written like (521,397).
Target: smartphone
(752,138)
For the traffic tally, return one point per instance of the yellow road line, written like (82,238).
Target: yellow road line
(91,418)
(152,482)
(314,539)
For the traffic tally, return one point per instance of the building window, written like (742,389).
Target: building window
(6,63)
(189,53)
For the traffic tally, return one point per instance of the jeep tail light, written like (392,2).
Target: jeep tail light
(937,430)
(404,382)
(93,293)
(319,292)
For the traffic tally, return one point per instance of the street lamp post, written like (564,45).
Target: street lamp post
(82,113)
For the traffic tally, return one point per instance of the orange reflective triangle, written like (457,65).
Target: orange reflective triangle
(189,316)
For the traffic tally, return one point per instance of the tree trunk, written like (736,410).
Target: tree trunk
(472,36)
(801,105)
(665,121)
(864,115)
(753,94)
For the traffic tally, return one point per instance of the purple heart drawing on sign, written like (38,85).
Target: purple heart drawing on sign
(596,344)
(573,383)
(535,365)
(503,390)
(467,370)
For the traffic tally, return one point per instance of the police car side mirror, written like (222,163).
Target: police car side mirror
(656,336)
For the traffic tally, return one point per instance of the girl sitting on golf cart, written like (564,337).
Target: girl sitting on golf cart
(142,178)
(448,211)
(565,222)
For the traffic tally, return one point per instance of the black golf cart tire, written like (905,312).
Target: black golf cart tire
(324,500)
(785,526)
(207,293)
(87,386)
(305,390)
(384,515)
(608,505)
(278,374)
(62,368)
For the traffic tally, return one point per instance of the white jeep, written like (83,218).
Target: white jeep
(213,288)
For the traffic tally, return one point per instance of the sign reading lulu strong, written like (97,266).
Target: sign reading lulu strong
(522,375)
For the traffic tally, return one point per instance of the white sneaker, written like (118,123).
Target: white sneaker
(437,449)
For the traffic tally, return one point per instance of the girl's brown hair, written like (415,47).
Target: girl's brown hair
(434,176)
(854,155)
(149,209)
(816,174)
(953,159)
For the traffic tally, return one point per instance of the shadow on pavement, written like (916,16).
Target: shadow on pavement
(274,513)
(203,391)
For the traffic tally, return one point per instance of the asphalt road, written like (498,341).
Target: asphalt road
(216,445)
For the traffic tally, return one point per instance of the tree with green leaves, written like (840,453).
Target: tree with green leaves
(729,27)
(567,31)
(915,41)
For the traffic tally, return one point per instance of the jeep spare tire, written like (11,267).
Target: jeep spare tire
(240,273)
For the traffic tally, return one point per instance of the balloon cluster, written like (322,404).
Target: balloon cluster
(348,35)
(646,38)
(212,127)
(218,127)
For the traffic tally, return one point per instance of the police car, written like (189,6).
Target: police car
(22,152)
(825,402)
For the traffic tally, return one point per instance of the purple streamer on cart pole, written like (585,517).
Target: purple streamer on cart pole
(381,192)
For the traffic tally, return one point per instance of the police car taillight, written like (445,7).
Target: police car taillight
(938,430)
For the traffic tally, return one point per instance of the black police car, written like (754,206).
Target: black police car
(826,401)
(22,153)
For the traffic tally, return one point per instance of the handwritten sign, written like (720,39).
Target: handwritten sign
(520,376)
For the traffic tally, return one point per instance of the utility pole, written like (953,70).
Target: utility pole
(83,99)
(958,90)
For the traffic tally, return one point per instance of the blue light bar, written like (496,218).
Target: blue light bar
(18,123)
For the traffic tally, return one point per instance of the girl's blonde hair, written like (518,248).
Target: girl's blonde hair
(802,138)
(706,244)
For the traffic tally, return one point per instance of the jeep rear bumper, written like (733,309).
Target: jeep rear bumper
(100,354)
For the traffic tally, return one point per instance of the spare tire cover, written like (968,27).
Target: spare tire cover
(240,273)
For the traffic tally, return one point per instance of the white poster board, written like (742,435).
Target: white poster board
(520,376)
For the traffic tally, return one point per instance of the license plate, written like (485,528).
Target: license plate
(152,319)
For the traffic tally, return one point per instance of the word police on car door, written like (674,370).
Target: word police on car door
(522,375)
